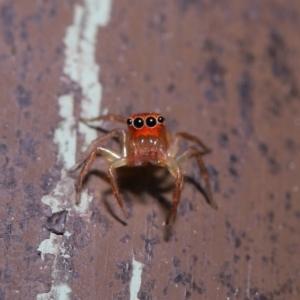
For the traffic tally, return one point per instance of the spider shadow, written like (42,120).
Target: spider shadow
(151,180)
(138,181)
(198,187)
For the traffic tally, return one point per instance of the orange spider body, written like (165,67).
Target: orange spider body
(146,141)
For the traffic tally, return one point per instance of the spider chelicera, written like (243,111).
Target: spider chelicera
(145,141)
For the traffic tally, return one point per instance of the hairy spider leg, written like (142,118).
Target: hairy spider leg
(95,149)
(107,153)
(109,117)
(189,153)
(121,133)
(174,147)
(111,174)
(176,171)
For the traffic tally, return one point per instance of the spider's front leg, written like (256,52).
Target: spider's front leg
(109,154)
(96,143)
(108,117)
(96,149)
(189,153)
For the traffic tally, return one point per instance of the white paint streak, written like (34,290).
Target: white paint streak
(53,246)
(59,198)
(65,134)
(80,66)
(136,279)
(59,292)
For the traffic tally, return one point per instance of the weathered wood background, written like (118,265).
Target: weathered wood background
(226,71)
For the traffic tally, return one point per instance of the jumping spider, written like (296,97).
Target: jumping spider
(145,141)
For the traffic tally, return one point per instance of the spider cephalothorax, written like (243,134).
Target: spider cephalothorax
(146,141)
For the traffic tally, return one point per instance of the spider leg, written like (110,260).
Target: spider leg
(189,153)
(176,171)
(96,143)
(110,117)
(174,147)
(109,154)
(111,174)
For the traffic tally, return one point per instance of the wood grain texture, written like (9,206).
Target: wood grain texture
(226,71)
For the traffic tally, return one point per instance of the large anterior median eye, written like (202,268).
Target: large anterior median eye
(138,123)
(150,122)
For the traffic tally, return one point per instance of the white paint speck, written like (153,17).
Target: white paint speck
(136,279)
(67,234)
(49,246)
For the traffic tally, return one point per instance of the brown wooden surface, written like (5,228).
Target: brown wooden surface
(226,71)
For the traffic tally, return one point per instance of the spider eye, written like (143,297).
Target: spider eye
(150,122)
(129,122)
(160,119)
(138,123)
